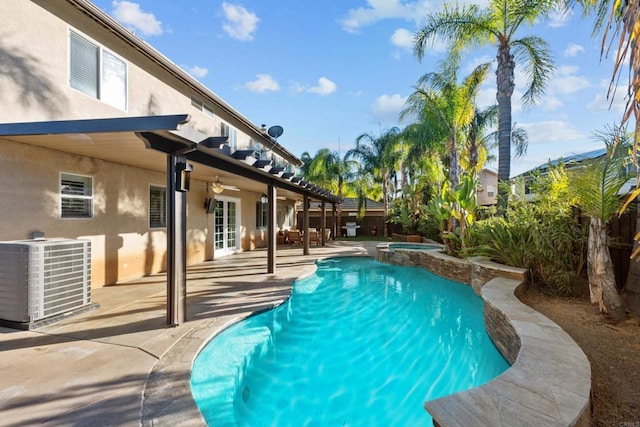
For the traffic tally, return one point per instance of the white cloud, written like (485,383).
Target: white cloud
(240,23)
(387,108)
(565,81)
(324,87)
(263,83)
(551,131)
(375,11)
(572,50)
(601,103)
(403,39)
(197,71)
(551,103)
(378,10)
(130,15)
(559,18)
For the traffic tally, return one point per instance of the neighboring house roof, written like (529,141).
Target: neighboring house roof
(351,204)
(568,161)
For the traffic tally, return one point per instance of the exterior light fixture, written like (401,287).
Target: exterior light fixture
(264,199)
(216,186)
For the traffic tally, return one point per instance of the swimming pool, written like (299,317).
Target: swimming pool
(358,343)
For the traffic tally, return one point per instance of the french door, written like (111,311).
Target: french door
(226,226)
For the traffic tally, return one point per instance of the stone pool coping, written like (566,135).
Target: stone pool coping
(549,381)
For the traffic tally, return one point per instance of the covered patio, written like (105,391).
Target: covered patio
(120,364)
(166,144)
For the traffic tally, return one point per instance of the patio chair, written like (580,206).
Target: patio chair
(314,237)
(295,237)
(281,238)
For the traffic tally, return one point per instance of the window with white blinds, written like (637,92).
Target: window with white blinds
(76,196)
(97,72)
(157,207)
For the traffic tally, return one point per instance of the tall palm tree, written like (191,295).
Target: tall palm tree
(446,105)
(596,187)
(471,26)
(378,156)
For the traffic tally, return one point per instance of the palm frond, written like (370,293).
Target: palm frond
(534,54)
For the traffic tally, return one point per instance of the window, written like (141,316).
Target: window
(262,215)
(491,190)
(259,152)
(157,207)
(206,109)
(76,196)
(226,130)
(97,72)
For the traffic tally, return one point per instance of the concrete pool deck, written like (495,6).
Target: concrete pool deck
(93,369)
(121,365)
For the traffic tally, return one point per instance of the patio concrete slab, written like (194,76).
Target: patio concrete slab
(119,364)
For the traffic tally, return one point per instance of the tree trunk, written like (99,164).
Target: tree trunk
(505,82)
(602,280)
(631,291)
(454,176)
(385,204)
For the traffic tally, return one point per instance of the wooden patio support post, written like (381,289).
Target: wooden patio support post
(305,225)
(177,173)
(271,229)
(333,218)
(323,223)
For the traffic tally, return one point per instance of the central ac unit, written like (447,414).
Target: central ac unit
(43,278)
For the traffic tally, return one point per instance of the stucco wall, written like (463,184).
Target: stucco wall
(123,245)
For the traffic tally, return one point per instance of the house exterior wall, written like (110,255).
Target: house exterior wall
(489,182)
(34,82)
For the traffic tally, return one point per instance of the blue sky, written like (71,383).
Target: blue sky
(328,71)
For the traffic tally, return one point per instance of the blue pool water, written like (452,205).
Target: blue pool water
(359,343)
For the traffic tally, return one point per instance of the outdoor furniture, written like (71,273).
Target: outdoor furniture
(295,237)
(281,238)
(314,237)
(351,228)
(327,235)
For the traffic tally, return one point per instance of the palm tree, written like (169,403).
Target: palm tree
(469,26)
(441,102)
(622,19)
(378,156)
(330,171)
(475,140)
(597,187)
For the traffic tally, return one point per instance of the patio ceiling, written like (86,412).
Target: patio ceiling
(144,142)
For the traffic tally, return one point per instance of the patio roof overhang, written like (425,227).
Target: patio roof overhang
(163,144)
(118,140)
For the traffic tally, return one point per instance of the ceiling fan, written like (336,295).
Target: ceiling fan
(218,186)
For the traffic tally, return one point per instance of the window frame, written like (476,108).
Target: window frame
(227,130)
(163,207)
(90,197)
(100,75)
(262,215)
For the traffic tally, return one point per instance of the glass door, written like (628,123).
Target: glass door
(226,226)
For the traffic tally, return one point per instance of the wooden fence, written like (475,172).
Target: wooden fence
(621,232)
